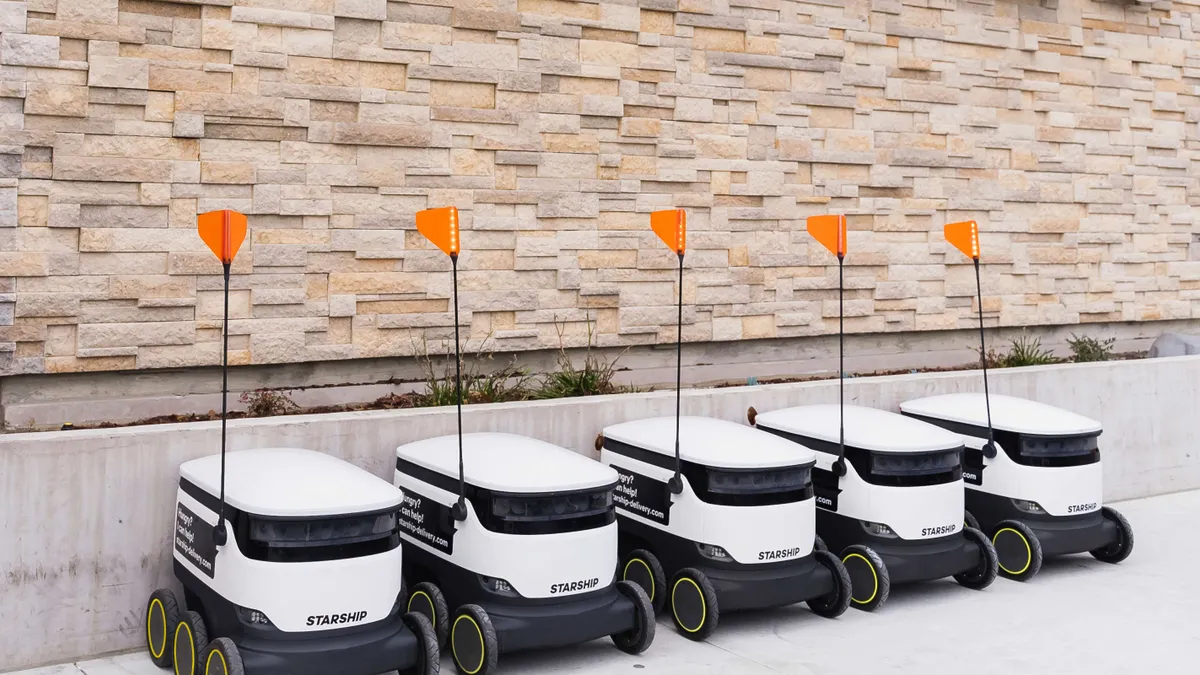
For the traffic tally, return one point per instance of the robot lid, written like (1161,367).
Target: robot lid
(1009,413)
(291,482)
(711,442)
(866,428)
(509,463)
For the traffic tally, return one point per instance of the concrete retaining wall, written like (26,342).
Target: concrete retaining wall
(87,514)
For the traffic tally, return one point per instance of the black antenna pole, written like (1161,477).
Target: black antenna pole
(840,467)
(676,484)
(460,508)
(990,449)
(219,536)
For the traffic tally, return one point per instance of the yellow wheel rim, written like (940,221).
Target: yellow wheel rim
(649,574)
(482,646)
(703,606)
(874,575)
(1028,550)
(432,607)
(149,637)
(208,664)
(185,626)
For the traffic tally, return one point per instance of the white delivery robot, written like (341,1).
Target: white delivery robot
(1037,488)
(301,576)
(516,552)
(732,529)
(893,506)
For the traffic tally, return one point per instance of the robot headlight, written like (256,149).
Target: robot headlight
(878,529)
(518,507)
(498,586)
(1034,446)
(713,552)
(1026,506)
(759,481)
(912,465)
(253,616)
(318,531)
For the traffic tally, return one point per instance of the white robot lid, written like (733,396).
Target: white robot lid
(509,463)
(1009,413)
(866,428)
(711,442)
(292,482)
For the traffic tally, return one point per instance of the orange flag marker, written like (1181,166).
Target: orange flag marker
(440,226)
(830,231)
(223,231)
(964,236)
(671,226)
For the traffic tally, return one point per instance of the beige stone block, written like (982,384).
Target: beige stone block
(227,172)
(28,50)
(390,76)
(608,53)
(607,259)
(56,99)
(653,21)
(475,55)
(769,79)
(638,166)
(462,94)
(118,72)
(160,106)
(144,147)
(399,35)
(756,327)
(111,169)
(361,9)
(242,105)
(188,125)
(467,162)
(724,147)
(33,210)
(179,79)
(719,39)
(570,143)
(560,9)
(100,335)
(326,72)
(641,127)
(693,109)
(374,282)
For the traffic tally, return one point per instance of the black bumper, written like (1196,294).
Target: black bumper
(1075,534)
(386,646)
(926,560)
(772,585)
(560,622)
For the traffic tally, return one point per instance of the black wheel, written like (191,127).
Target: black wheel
(868,577)
(642,568)
(1018,551)
(191,638)
(427,599)
(819,544)
(970,521)
(1123,546)
(429,657)
(222,658)
(982,575)
(834,603)
(473,641)
(694,604)
(638,638)
(162,613)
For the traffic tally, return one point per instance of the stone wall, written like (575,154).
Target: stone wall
(1067,128)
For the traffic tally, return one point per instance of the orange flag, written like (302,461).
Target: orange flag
(223,231)
(964,236)
(671,226)
(830,231)
(440,226)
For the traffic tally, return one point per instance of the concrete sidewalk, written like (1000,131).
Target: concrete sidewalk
(1078,616)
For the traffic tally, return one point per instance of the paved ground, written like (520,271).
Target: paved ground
(1078,616)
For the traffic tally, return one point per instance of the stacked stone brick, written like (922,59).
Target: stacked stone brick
(1068,129)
